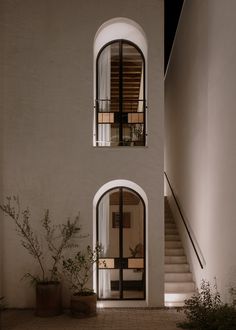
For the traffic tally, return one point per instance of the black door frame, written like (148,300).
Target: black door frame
(121,259)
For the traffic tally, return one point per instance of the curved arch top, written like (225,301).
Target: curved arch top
(120,183)
(120,28)
(97,197)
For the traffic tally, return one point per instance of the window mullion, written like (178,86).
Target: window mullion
(120,92)
(121,241)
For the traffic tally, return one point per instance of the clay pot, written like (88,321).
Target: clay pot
(84,305)
(48,299)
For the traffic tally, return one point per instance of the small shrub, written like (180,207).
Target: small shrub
(206,311)
(79,269)
(233,295)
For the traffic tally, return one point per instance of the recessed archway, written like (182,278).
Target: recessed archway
(120,28)
(112,196)
(120,109)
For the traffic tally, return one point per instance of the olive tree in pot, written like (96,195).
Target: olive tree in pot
(78,271)
(2,307)
(47,250)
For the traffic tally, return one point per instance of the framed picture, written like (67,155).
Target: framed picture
(116,220)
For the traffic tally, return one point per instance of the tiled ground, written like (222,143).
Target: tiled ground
(115,319)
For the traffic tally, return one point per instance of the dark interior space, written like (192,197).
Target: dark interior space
(172,13)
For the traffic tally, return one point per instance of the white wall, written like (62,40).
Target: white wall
(47,153)
(200,155)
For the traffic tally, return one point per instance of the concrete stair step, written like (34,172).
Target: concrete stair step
(172,238)
(170,225)
(178,277)
(168,214)
(179,287)
(174,303)
(169,218)
(179,283)
(175,260)
(173,244)
(174,252)
(171,231)
(177,299)
(176,268)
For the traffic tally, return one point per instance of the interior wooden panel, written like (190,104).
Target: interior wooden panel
(132,74)
(128,198)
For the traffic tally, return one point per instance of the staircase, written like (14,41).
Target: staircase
(131,76)
(179,283)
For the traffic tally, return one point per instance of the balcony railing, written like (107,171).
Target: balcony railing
(120,123)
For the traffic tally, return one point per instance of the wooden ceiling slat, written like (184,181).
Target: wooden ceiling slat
(128,198)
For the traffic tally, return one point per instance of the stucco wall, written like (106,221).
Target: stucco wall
(200,155)
(47,153)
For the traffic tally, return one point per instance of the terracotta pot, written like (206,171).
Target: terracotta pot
(83,306)
(48,299)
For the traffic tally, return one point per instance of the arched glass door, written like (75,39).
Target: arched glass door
(120,95)
(121,232)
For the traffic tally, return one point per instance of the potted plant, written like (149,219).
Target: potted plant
(56,239)
(2,304)
(78,271)
(2,307)
(137,134)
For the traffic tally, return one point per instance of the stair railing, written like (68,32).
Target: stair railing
(184,221)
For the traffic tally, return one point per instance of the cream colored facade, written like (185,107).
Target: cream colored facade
(47,153)
(200,119)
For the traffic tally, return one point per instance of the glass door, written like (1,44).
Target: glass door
(121,232)
(120,95)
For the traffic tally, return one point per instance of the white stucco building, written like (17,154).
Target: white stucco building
(200,123)
(51,155)
(82,129)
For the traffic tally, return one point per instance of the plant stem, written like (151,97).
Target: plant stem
(7,209)
(37,256)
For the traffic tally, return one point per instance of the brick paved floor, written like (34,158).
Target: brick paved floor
(106,319)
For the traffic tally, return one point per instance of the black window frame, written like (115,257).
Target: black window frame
(122,114)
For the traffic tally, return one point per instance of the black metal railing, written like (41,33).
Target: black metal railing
(126,120)
(113,105)
(184,221)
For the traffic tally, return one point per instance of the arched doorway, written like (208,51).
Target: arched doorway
(121,231)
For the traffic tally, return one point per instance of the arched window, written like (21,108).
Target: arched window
(120,95)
